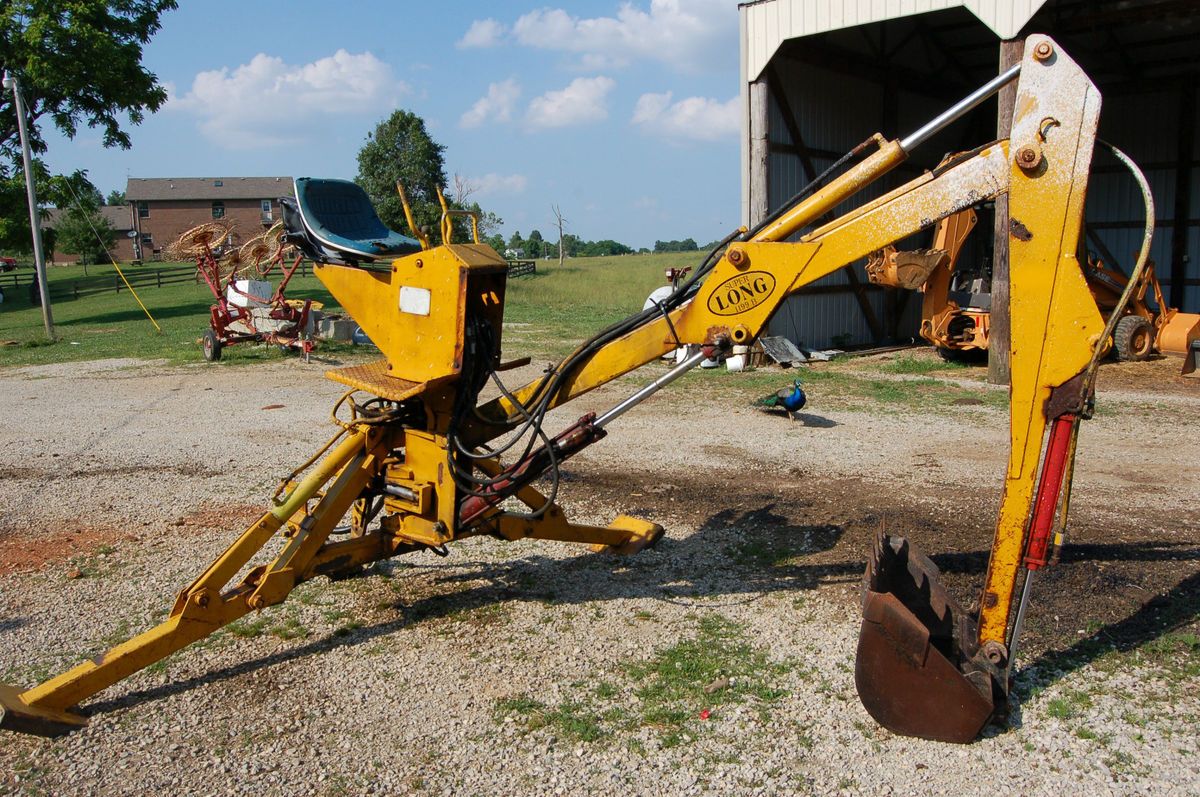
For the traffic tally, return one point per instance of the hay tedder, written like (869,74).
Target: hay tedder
(248,310)
(418,461)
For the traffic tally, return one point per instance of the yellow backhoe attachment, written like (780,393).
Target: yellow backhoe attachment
(419,462)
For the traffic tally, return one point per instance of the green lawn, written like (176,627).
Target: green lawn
(561,305)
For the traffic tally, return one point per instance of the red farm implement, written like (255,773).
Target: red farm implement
(246,308)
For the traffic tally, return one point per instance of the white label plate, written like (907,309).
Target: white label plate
(414,300)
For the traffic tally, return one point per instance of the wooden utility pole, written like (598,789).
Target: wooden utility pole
(759,200)
(999,333)
(35,221)
(560,221)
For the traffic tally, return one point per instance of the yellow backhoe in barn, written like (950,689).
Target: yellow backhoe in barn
(958,327)
(418,462)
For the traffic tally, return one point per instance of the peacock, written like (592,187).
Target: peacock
(791,399)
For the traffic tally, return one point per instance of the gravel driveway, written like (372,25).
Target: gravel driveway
(720,662)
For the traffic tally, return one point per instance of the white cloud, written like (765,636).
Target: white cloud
(582,101)
(261,103)
(699,118)
(482,33)
(492,183)
(496,106)
(688,35)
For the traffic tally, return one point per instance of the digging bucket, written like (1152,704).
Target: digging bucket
(918,670)
(1178,333)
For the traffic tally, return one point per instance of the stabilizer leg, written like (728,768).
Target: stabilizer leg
(202,608)
(625,535)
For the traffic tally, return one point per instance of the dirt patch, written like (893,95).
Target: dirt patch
(231,517)
(783,532)
(1158,376)
(23,552)
(27,553)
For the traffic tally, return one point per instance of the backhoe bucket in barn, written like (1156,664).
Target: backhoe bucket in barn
(918,669)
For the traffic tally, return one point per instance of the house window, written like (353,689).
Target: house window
(147,238)
(143,210)
(218,209)
(266,210)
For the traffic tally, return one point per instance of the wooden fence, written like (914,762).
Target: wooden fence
(519,268)
(139,276)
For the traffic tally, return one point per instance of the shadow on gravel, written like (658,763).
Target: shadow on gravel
(741,554)
(11,623)
(1163,614)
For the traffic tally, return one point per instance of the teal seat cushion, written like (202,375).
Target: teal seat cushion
(339,214)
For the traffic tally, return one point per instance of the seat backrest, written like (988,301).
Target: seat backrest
(341,207)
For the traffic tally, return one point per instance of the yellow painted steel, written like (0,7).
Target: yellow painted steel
(1054,321)
(414,310)
(422,334)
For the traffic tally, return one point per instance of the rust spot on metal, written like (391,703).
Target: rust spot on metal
(990,600)
(1028,157)
(1019,230)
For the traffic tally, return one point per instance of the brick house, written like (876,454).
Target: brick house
(161,208)
(121,219)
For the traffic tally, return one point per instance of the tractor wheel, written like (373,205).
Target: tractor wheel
(964,356)
(211,345)
(1133,338)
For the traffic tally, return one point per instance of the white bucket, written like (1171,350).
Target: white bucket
(739,359)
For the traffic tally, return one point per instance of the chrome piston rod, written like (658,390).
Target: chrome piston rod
(650,389)
(927,130)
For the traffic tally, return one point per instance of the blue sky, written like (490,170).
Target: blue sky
(624,114)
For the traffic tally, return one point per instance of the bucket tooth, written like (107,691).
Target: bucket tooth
(917,671)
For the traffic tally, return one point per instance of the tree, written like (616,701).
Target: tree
(516,243)
(85,232)
(46,46)
(115,197)
(558,216)
(400,149)
(80,228)
(686,245)
(534,244)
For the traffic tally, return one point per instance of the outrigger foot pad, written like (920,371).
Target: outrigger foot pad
(17,715)
(642,533)
(919,671)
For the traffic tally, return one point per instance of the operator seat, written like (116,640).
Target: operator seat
(333,221)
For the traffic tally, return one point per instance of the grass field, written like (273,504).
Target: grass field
(559,305)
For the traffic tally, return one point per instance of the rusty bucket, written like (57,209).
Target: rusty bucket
(918,670)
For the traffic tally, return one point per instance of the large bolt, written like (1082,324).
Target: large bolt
(995,653)
(1028,157)
(736,257)
(256,602)
(1043,51)
(200,599)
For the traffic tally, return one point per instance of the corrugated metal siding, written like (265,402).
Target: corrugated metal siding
(1113,197)
(834,113)
(771,22)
